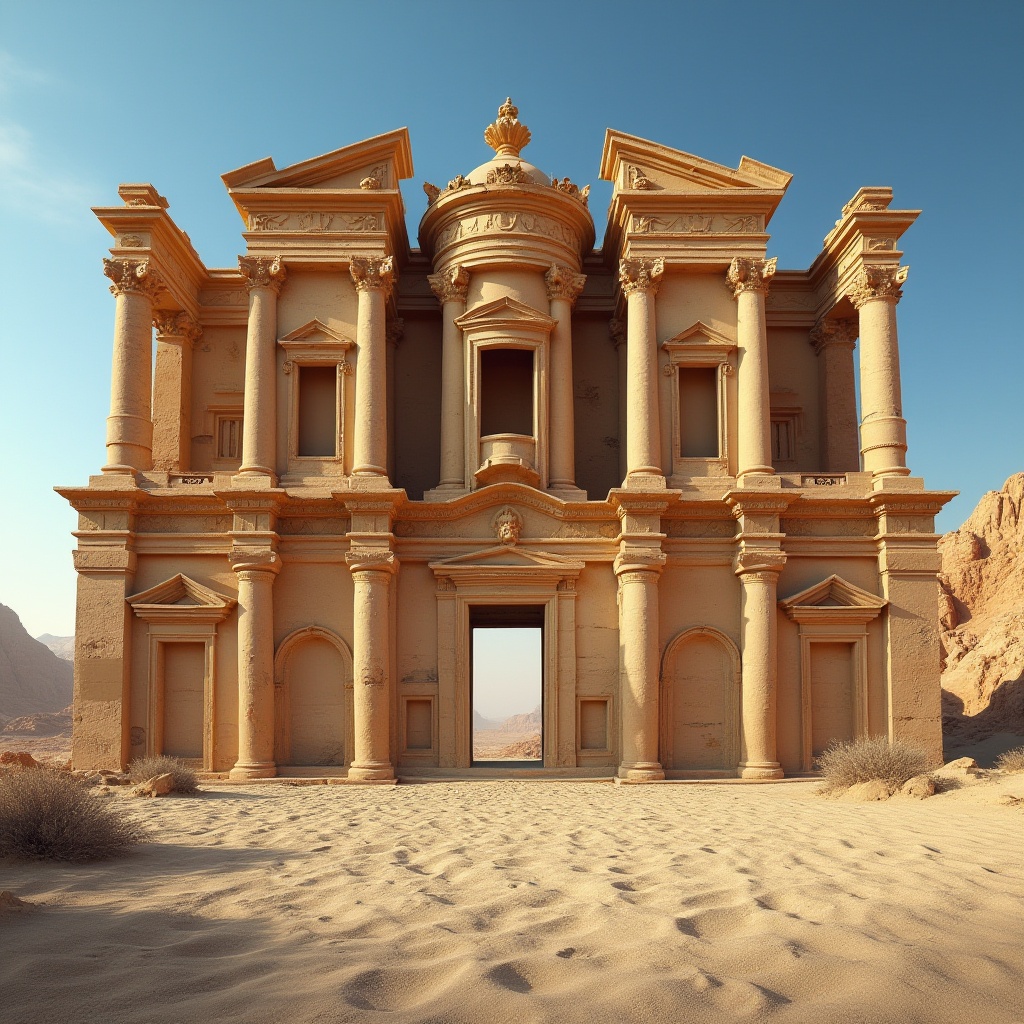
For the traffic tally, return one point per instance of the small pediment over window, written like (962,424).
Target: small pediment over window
(833,597)
(505,312)
(180,598)
(315,332)
(700,335)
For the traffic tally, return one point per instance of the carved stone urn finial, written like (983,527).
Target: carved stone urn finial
(507,135)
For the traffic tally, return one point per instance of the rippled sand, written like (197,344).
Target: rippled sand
(519,901)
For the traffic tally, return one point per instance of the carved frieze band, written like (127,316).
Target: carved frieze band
(316,222)
(875,282)
(262,272)
(834,332)
(564,283)
(641,275)
(133,276)
(177,325)
(450,284)
(696,224)
(747,274)
(371,273)
(508,220)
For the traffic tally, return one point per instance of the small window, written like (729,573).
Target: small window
(229,437)
(783,439)
(594,724)
(698,412)
(506,391)
(318,412)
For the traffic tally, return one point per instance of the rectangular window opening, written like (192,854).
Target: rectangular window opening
(506,391)
(507,702)
(318,411)
(698,412)
(229,437)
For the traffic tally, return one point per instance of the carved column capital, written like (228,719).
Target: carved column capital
(133,276)
(371,273)
(617,331)
(759,566)
(372,560)
(564,283)
(450,284)
(641,275)
(639,565)
(175,324)
(878,282)
(262,272)
(255,564)
(750,275)
(834,332)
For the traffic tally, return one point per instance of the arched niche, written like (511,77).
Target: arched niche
(700,687)
(313,699)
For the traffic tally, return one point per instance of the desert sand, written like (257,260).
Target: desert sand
(521,901)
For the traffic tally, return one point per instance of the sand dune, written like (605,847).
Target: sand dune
(519,901)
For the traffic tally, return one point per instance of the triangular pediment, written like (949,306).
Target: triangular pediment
(180,597)
(700,334)
(316,332)
(502,312)
(638,164)
(386,158)
(833,595)
(508,556)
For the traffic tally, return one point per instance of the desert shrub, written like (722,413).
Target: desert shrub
(142,769)
(48,815)
(1011,760)
(845,764)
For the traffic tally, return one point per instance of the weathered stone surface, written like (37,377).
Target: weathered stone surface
(18,757)
(867,792)
(160,785)
(920,786)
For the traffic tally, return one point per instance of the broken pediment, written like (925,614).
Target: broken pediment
(833,598)
(636,164)
(505,312)
(313,333)
(372,165)
(180,598)
(700,335)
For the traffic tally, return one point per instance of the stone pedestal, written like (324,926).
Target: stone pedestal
(563,287)
(176,334)
(451,287)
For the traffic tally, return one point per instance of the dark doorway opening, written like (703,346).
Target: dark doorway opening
(507,686)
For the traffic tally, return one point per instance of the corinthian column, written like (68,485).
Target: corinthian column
(130,423)
(451,286)
(617,332)
(255,572)
(374,279)
(176,335)
(833,342)
(264,276)
(639,280)
(371,663)
(563,287)
(883,430)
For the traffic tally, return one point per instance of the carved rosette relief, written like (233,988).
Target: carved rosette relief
(371,273)
(508,526)
(750,275)
(878,283)
(564,283)
(133,276)
(262,272)
(177,325)
(834,332)
(450,284)
(641,275)
(370,183)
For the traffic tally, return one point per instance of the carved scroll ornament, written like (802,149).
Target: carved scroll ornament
(563,283)
(372,272)
(450,284)
(875,282)
(750,275)
(177,325)
(262,272)
(133,276)
(641,275)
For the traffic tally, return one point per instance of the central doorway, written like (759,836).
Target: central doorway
(507,686)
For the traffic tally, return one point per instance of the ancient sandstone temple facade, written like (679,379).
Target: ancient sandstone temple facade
(351,451)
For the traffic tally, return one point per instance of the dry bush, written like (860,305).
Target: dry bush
(142,769)
(845,764)
(1011,760)
(48,815)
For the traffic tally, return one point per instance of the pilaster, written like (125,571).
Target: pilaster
(834,342)
(176,335)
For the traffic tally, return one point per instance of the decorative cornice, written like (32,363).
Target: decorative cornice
(133,276)
(262,272)
(450,284)
(878,282)
(641,275)
(507,135)
(371,273)
(171,324)
(564,283)
(746,274)
(834,332)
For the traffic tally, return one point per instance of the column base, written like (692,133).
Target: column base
(567,492)
(445,492)
(759,478)
(254,480)
(371,772)
(642,480)
(262,770)
(365,481)
(760,770)
(643,771)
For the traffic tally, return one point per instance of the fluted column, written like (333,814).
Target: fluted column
(255,666)
(374,279)
(639,687)
(639,279)
(264,276)
(759,643)
(372,570)
(130,423)
(176,335)
(617,332)
(748,279)
(883,430)
(834,342)
(451,287)
(563,288)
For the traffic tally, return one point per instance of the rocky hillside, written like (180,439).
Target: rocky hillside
(62,646)
(981,615)
(32,678)
(530,722)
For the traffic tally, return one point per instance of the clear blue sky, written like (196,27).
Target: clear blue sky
(925,97)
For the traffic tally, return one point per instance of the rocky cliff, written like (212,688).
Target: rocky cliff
(32,678)
(981,616)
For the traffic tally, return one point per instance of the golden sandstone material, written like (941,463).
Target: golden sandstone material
(351,446)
